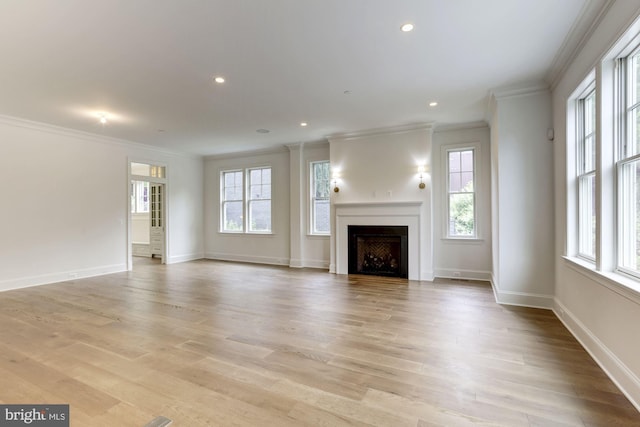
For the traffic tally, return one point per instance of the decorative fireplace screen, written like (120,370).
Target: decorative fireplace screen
(378,250)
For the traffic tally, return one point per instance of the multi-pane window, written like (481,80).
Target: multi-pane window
(232,201)
(586,175)
(461,196)
(259,200)
(320,197)
(139,196)
(246,208)
(628,168)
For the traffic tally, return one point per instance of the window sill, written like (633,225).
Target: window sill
(462,240)
(242,233)
(619,283)
(318,236)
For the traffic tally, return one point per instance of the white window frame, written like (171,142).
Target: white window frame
(626,158)
(224,201)
(445,150)
(250,200)
(313,199)
(585,200)
(246,201)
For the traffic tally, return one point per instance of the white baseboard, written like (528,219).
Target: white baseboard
(309,263)
(184,258)
(247,258)
(449,273)
(427,276)
(522,299)
(617,371)
(63,276)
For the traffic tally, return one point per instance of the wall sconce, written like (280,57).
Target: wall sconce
(422,185)
(335,186)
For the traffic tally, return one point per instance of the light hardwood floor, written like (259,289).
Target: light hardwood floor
(215,343)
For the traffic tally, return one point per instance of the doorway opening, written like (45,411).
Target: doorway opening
(147,231)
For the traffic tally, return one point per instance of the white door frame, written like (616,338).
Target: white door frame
(165,205)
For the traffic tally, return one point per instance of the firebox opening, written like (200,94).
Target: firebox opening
(378,250)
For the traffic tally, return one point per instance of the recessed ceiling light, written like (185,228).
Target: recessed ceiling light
(263,131)
(219,79)
(303,124)
(433,104)
(103,119)
(406,27)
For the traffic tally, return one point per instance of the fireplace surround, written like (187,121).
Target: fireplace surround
(388,213)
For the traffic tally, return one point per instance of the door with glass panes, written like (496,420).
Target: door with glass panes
(156,209)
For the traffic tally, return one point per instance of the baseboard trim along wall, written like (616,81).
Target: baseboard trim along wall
(247,258)
(450,273)
(615,369)
(175,259)
(63,276)
(521,299)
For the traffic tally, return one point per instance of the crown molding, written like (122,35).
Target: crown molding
(590,16)
(93,137)
(526,89)
(381,131)
(461,126)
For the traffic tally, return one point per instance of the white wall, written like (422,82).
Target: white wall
(307,250)
(523,232)
(271,248)
(65,203)
(464,258)
(603,315)
(140,227)
(383,167)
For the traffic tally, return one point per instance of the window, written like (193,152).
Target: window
(254,215)
(586,175)
(139,197)
(232,201)
(461,196)
(260,199)
(628,169)
(320,191)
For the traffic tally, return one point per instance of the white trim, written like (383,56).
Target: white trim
(450,273)
(616,370)
(380,131)
(185,258)
(521,299)
(390,213)
(65,276)
(221,256)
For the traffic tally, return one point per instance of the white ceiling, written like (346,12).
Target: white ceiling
(148,64)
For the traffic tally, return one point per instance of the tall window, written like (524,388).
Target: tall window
(259,196)
(461,196)
(232,201)
(246,208)
(139,196)
(320,191)
(586,175)
(628,168)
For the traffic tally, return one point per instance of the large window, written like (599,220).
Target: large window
(320,191)
(586,175)
(461,193)
(628,167)
(246,208)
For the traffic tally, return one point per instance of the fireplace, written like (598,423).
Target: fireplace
(380,250)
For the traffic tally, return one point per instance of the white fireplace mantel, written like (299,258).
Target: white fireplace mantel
(379,213)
